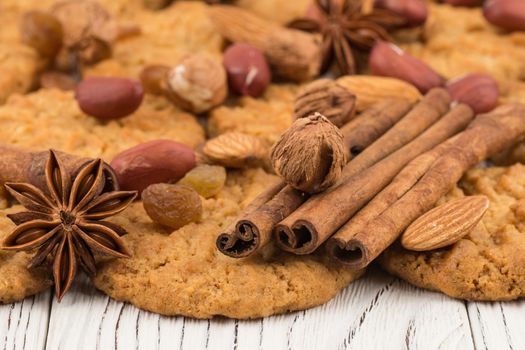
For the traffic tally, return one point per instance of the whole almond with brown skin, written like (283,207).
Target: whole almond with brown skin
(415,12)
(479,91)
(445,224)
(235,150)
(370,89)
(42,31)
(388,60)
(506,14)
(109,97)
(152,162)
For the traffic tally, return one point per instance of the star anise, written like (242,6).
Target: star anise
(66,221)
(345,27)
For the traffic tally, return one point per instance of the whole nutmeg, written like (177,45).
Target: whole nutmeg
(42,31)
(327,97)
(170,205)
(197,83)
(415,12)
(463,2)
(154,78)
(389,60)
(310,155)
(152,162)
(479,91)
(247,69)
(506,14)
(109,97)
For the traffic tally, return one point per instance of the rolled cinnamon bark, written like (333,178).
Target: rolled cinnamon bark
(253,229)
(401,184)
(323,214)
(18,165)
(487,135)
(432,107)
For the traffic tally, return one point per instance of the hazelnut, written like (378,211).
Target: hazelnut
(197,83)
(41,31)
(311,154)
(247,69)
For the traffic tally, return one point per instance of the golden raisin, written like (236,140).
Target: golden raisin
(207,180)
(171,205)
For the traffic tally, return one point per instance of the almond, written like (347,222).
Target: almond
(235,150)
(389,60)
(152,162)
(445,224)
(479,91)
(507,14)
(370,89)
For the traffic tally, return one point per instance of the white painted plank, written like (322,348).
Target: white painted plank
(23,325)
(383,312)
(377,311)
(498,325)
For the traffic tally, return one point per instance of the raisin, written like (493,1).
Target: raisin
(171,205)
(207,180)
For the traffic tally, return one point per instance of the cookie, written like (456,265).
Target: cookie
(51,118)
(182,273)
(166,37)
(266,117)
(278,11)
(487,264)
(458,40)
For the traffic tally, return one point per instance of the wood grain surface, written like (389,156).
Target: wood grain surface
(375,312)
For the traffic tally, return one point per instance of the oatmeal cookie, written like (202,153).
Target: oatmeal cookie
(182,273)
(166,36)
(458,40)
(276,10)
(487,264)
(51,118)
(266,117)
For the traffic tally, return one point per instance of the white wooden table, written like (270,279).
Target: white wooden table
(376,312)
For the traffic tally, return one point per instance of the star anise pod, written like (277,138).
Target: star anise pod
(345,27)
(66,221)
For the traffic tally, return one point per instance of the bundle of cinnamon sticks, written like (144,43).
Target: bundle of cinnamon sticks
(405,158)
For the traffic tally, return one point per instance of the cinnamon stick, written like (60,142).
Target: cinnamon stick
(486,136)
(401,184)
(18,165)
(253,229)
(323,214)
